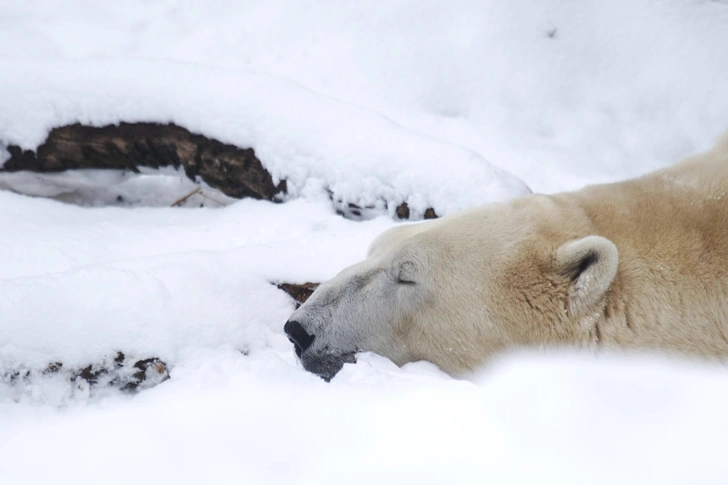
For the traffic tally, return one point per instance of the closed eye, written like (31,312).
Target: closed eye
(400,280)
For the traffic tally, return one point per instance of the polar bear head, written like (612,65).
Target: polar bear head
(455,291)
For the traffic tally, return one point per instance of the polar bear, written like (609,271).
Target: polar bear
(636,264)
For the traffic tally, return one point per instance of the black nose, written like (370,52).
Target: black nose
(298,336)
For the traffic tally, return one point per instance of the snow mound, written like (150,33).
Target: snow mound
(528,419)
(411,94)
(560,94)
(79,285)
(310,140)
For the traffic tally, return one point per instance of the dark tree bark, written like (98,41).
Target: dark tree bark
(299,292)
(236,172)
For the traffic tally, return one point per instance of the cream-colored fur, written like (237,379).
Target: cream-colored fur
(636,264)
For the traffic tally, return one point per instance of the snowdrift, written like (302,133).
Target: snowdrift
(311,141)
(442,105)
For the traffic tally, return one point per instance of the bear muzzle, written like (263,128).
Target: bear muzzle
(322,362)
(326,364)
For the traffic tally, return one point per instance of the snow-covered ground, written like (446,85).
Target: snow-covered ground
(440,104)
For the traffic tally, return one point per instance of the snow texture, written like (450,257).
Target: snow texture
(308,139)
(431,102)
(99,188)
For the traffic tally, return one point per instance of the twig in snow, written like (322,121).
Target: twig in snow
(178,202)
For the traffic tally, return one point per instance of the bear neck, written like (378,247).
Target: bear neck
(671,230)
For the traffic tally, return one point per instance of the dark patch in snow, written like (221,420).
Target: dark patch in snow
(142,148)
(430,214)
(358,212)
(402,211)
(122,372)
(236,172)
(53,367)
(299,292)
(149,371)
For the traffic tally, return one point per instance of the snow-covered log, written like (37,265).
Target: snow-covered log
(235,171)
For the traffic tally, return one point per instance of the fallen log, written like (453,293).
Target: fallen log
(236,172)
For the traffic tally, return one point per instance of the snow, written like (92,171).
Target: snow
(78,285)
(433,103)
(308,139)
(621,88)
(94,187)
(545,420)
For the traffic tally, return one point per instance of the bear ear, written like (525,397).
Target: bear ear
(406,272)
(590,264)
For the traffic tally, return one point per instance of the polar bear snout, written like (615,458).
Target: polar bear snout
(363,308)
(326,364)
(298,336)
(316,350)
